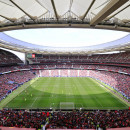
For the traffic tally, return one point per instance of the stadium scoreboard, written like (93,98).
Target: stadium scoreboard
(32,55)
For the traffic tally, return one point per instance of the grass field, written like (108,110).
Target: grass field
(63,92)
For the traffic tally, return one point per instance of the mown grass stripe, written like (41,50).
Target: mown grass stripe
(50,91)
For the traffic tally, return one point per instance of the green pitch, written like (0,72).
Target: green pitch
(51,92)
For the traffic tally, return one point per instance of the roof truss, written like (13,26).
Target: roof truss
(54,8)
(23,10)
(73,13)
(83,17)
(117,12)
(11,20)
(107,10)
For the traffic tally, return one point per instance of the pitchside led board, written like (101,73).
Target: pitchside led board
(29,55)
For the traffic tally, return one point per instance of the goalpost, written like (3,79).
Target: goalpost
(67,105)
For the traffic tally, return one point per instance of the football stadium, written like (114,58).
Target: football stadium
(64,87)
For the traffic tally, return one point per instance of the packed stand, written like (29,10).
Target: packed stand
(22,119)
(123,57)
(8,58)
(120,82)
(89,120)
(65,120)
(10,81)
(105,67)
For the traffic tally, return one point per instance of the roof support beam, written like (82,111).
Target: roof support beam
(43,14)
(64,25)
(11,20)
(74,14)
(117,13)
(83,17)
(6,3)
(23,10)
(107,10)
(41,4)
(54,8)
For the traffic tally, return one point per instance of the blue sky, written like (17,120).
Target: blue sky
(65,37)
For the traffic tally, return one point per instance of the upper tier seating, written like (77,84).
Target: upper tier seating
(123,57)
(8,58)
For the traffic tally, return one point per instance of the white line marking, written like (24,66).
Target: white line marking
(98,102)
(101,85)
(116,96)
(34,101)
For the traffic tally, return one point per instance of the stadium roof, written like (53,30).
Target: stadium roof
(107,14)
(100,14)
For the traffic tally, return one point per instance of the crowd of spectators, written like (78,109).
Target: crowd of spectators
(65,73)
(5,86)
(87,120)
(7,57)
(105,67)
(11,80)
(22,118)
(123,57)
(120,82)
(65,120)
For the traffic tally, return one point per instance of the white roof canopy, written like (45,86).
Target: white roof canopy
(17,14)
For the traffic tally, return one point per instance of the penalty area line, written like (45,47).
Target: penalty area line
(34,101)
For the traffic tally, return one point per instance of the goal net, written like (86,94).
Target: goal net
(67,105)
